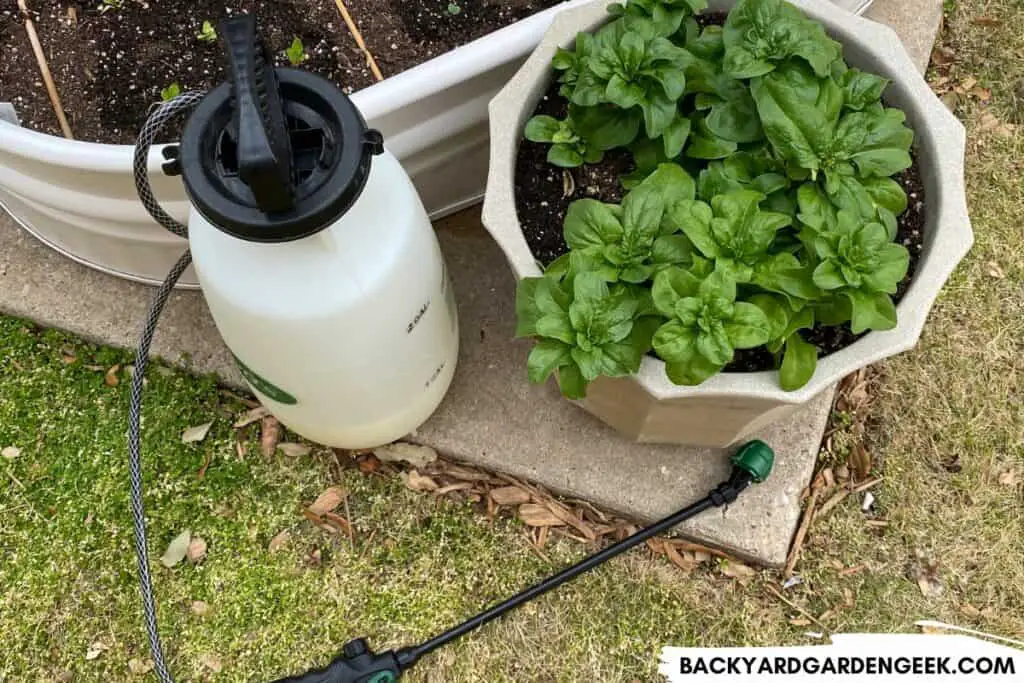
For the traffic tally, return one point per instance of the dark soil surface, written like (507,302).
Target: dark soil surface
(401,34)
(541,203)
(110,66)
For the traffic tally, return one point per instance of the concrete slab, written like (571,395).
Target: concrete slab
(916,21)
(492,416)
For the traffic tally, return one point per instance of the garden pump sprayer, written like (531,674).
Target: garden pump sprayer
(324,277)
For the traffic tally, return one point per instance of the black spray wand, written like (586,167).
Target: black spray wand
(359,664)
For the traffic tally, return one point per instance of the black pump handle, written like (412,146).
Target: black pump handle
(264,148)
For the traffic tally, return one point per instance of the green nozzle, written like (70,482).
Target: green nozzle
(756,459)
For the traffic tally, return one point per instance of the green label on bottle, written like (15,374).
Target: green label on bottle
(264,386)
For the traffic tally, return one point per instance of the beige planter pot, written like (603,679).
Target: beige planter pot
(730,406)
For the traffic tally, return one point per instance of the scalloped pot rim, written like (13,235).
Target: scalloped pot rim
(941,144)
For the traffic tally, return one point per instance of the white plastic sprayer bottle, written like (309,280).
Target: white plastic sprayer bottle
(315,255)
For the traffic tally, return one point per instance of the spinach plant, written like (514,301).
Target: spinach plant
(761,206)
(585,329)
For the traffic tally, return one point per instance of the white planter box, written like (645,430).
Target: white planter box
(79,197)
(731,406)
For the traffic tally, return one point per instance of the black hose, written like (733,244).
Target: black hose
(153,125)
(135,465)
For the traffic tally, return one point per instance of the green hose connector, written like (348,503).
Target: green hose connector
(756,458)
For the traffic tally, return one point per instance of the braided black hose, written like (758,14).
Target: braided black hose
(153,125)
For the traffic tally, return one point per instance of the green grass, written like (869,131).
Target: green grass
(67,570)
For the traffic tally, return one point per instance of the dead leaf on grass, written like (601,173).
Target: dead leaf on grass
(994,270)
(510,495)
(196,434)
(368,464)
(860,461)
(196,550)
(983,94)
(327,501)
(465,473)
(140,667)
(738,571)
(927,577)
(418,482)
(212,662)
(1008,478)
(11,452)
(533,514)
(270,435)
(250,416)
(967,609)
(110,378)
(199,608)
(943,56)
(988,22)
(278,541)
(968,83)
(177,550)
(417,456)
(338,521)
(95,650)
(676,558)
(293,450)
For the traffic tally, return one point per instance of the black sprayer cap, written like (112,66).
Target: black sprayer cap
(273,155)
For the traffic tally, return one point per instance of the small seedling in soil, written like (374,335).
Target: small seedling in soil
(170,92)
(453,8)
(296,53)
(108,5)
(208,34)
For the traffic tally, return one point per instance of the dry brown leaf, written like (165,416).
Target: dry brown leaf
(943,56)
(199,608)
(111,379)
(968,83)
(970,610)
(327,501)
(417,456)
(1008,478)
(95,650)
(510,495)
(989,22)
(339,522)
(196,434)
(212,662)
(250,416)
(533,514)
(418,482)
(994,270)
(293,450)
(677,559)
(196,549)
(571,520)
(656,545)
(368,464)
(737,570)
(278,541)
(140,667)
(928,581)
(542,537)
(464,473)
(177,550)
(983,94)
(11,452)
(451,488)
(860,462)
(270,435)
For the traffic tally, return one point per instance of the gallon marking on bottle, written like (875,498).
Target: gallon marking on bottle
(264,386)
(419,316)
